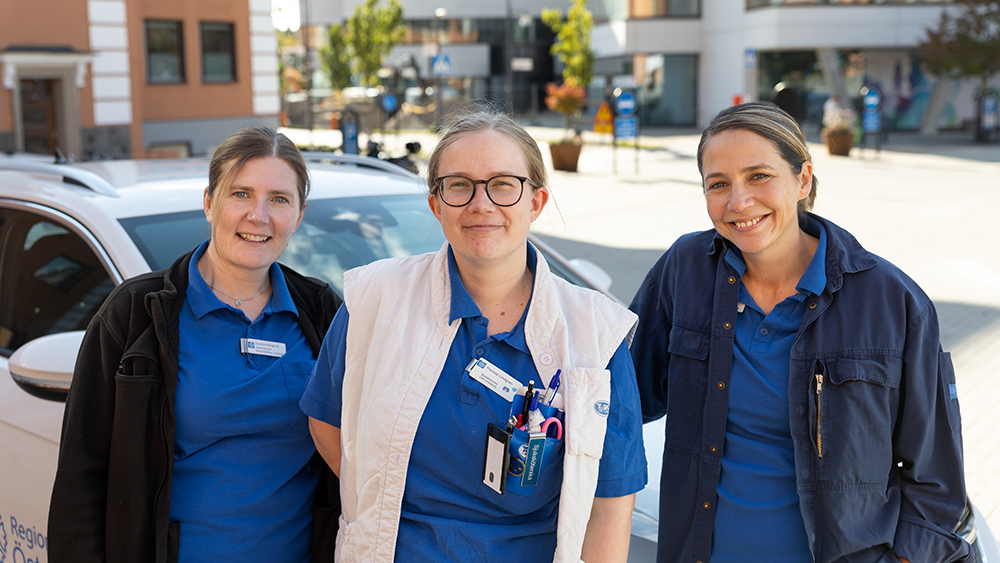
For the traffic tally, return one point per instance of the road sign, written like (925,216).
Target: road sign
(991,116)
(626,127)
(441,66)
(604,121)
(871,121)
(750,58)
(871,98)
(390,103)
(625,103)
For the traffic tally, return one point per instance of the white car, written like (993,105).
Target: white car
(70,233)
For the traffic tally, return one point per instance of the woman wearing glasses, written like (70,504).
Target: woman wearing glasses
(400,405)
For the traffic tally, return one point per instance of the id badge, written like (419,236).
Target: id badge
(262,347)
(497,459)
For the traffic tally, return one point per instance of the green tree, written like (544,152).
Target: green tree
(966,42)
(335,57)
(572,45)
(372,32)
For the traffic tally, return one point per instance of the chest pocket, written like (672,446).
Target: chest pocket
(687,379)
(857,403)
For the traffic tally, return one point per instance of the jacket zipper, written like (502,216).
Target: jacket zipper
(819,408)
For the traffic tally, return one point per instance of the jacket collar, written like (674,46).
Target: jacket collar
(844,254)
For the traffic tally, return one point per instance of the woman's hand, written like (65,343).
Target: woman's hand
(608,531)
(327,440)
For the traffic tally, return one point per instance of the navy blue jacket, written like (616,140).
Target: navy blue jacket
(878,471)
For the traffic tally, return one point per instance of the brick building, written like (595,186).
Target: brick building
(134,78)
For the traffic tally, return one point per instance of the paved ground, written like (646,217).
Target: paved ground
(928,205)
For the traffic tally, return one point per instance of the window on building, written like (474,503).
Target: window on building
(218,52)
(164,52)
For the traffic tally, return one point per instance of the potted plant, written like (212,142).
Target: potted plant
(839,128)
(566,99)
(572,48)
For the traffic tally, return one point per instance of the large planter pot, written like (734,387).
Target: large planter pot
(839,142)
(565,156)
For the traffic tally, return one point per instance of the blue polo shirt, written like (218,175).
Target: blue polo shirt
(243,484)
(448,514)
(757,516)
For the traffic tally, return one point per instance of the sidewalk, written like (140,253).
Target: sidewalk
(928,205)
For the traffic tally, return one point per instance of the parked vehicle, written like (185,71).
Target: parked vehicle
(70,233)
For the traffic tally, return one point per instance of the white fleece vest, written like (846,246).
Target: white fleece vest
(398,340)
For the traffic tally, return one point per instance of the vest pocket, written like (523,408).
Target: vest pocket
(588,404)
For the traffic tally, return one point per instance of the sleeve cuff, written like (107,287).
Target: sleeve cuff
(920,540)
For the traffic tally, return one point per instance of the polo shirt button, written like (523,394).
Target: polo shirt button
(721,385)
(812,305)
(706,505)
(479,352)
(546,359)
(732,279)
(727,326)
(763,331)
(251,331)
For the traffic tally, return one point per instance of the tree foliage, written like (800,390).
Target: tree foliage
(370,35)
(373,31)
(966,42)
(572,45)
(336,58)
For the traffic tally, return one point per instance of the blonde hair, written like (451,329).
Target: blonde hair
(772,123)
(476,117)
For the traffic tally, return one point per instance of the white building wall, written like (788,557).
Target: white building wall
(110,72)
(263,59)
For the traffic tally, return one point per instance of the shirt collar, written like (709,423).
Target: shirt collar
(813,280)
(462,305)
(203,300)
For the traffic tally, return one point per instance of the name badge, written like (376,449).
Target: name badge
(262,347)
(493,378)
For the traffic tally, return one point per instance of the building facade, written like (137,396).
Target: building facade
(479,39)
(689,59)
(134,78)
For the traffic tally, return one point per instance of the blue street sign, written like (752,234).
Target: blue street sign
(350,145)
(871,121)
(390,102)
(991,116)
(871,97)
(441,66)
(626,104)
(750,58)
(626,127)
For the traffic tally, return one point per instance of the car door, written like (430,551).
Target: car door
(52,280)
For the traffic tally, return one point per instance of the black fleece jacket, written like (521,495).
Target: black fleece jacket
(111,498)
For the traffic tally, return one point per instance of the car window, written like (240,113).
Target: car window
(336,234)
(50,279)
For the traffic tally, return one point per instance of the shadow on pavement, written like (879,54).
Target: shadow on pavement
(960,321)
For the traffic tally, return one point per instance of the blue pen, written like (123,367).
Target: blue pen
(550,393)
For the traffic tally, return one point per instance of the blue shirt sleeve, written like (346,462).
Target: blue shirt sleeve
(323,399)
(623,464)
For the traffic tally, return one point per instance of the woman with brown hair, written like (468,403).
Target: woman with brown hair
(181,439)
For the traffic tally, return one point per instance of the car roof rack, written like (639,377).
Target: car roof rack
(69,175)
(321,157)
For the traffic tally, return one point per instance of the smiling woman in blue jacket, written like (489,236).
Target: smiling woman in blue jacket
(811,412)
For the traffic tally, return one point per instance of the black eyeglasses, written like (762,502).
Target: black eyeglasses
(503,191)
